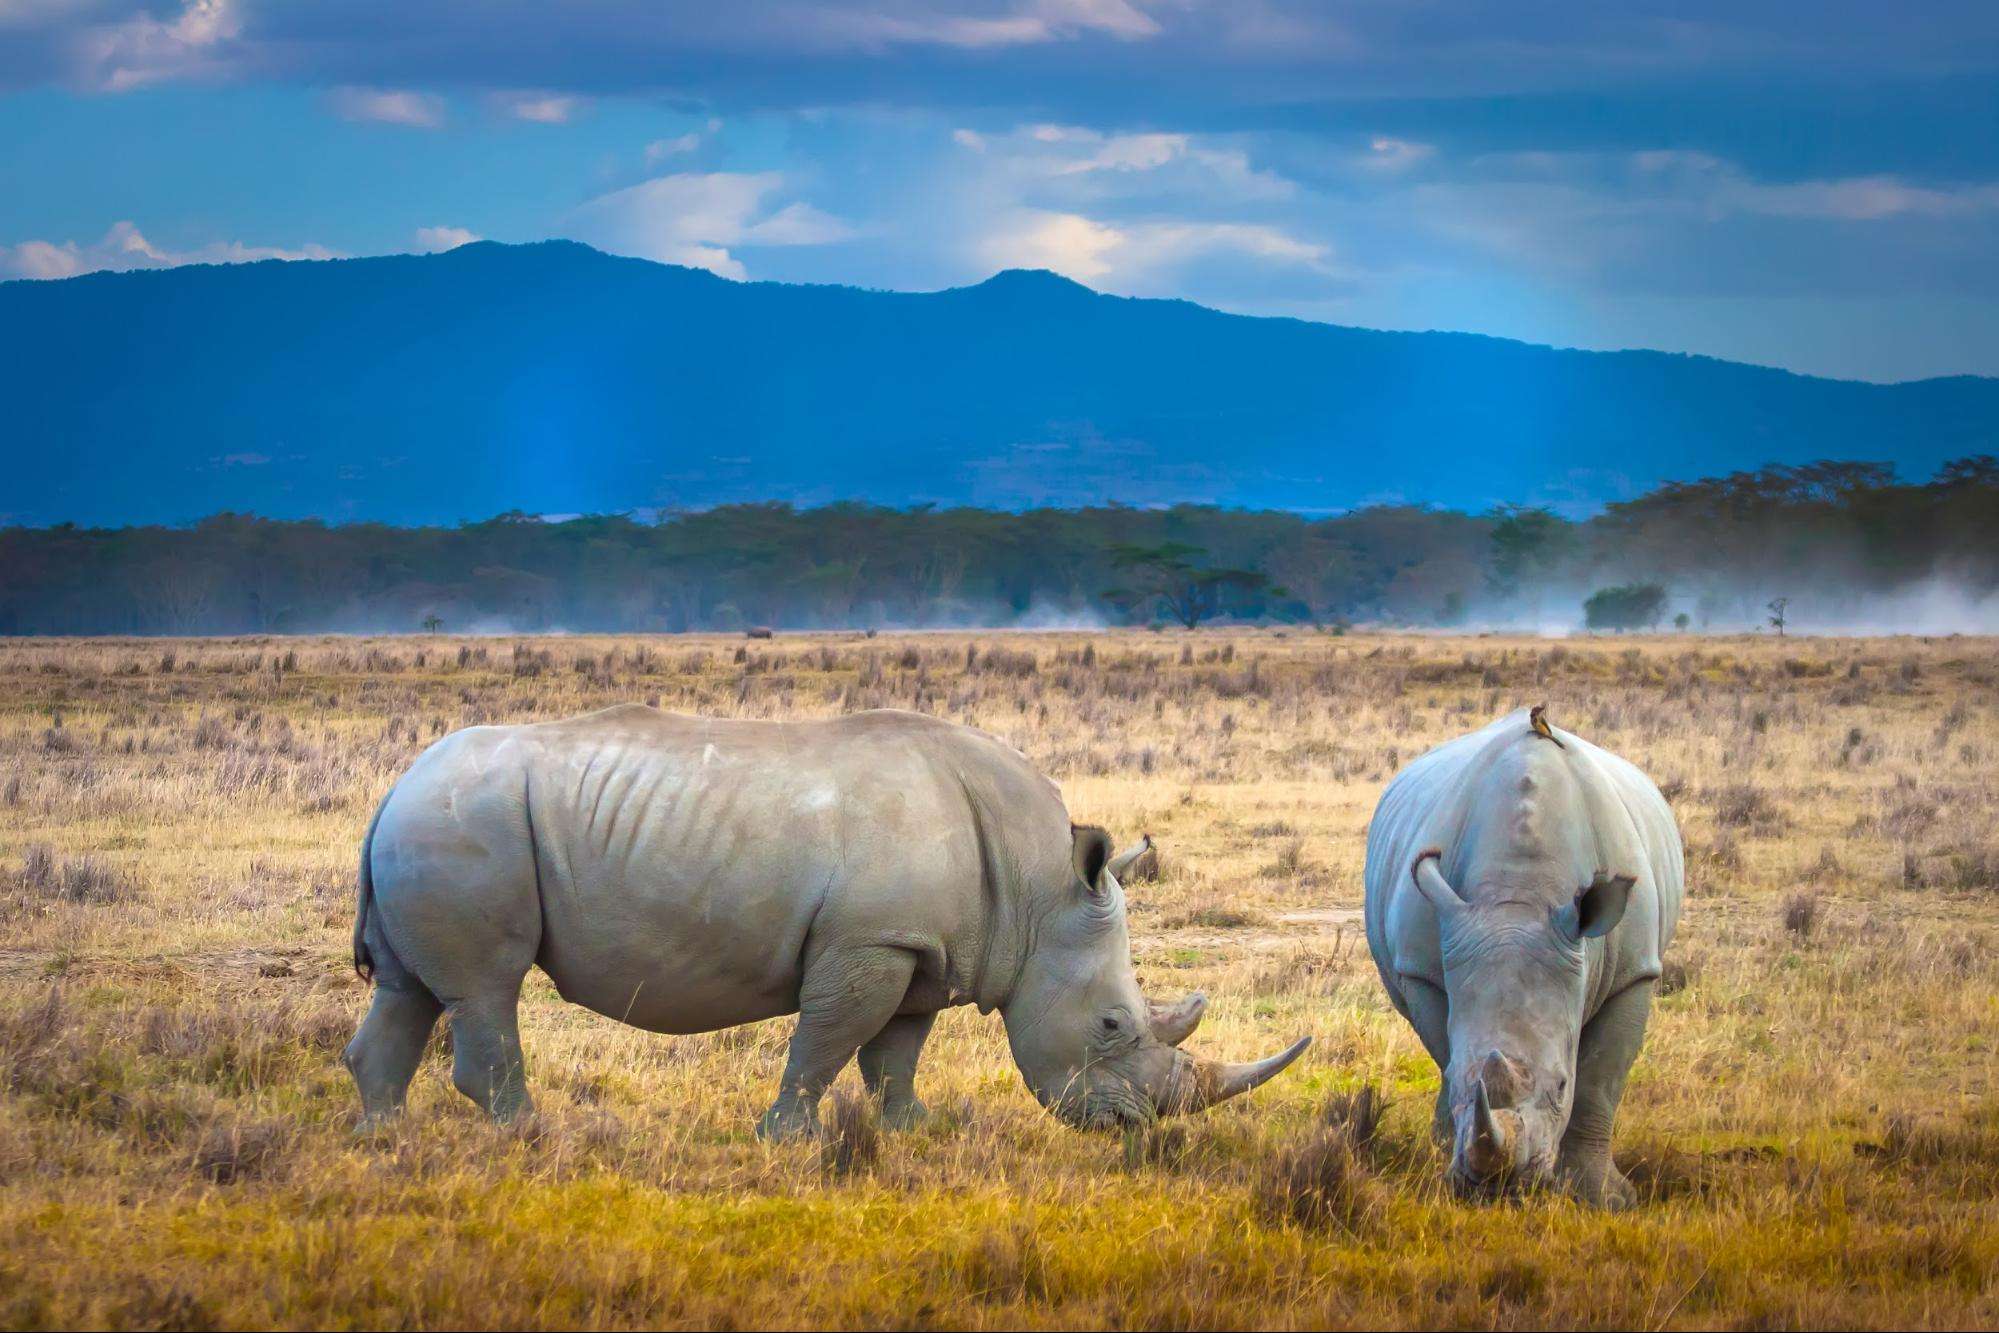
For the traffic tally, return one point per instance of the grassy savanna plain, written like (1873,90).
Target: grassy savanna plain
(1813,1124)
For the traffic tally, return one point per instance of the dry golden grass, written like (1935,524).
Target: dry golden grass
(1814,1121)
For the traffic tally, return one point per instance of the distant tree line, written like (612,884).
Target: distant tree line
(1716,550)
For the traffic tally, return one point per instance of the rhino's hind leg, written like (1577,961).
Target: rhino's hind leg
(384,1054)
(888,1067)
(1609,1045)
(847,997)
(486,1063)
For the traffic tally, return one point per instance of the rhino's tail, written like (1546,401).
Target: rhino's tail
(364,961)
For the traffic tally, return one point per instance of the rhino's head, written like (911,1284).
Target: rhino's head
(1091,1047)
(1514,977)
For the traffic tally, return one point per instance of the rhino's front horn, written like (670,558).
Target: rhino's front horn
(1174,1023)
(1204,1083)
(1488,1150)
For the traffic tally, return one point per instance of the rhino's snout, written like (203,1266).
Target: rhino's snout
(1505,1142)
(1110,1098)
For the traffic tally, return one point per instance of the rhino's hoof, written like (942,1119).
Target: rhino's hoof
(1604,1187)
(787,1125)
(904,1115)
(1618,1193)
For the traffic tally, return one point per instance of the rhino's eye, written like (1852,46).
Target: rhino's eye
(1110,1024)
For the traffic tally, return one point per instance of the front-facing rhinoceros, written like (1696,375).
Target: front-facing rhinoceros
(683,875)
(1521,884)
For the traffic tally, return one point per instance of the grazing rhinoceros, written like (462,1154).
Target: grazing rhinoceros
(683,875)
(1521,884)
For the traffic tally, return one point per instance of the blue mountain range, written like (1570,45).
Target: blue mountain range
(552,378)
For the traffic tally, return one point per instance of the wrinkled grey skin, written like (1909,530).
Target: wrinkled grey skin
(1519,894)
(683,875)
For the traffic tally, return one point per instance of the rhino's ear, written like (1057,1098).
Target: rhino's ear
(1601,906)
(1090,850)
(1430,881)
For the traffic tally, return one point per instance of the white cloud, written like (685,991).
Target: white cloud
(1138,254)
(388,106)
(798,224)
(1130,152)
(1031,23)
(144,50)
(436,240)
(1068,243)
(124,247)
(661,149)
(971,139)
(1856,199)
(542,108)
(1085,155)
(1390,154)
(693,219)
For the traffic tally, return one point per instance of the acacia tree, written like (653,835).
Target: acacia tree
(1628,606)
(1176,578)
(1527,543)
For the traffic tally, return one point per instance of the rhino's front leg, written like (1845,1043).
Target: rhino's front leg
(848,996)
(888,1067)
(1609,1045)
(1429,1012)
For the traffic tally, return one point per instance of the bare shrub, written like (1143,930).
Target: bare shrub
(71,879)
(1976,869)
(1744,806)
(1290,861)
(1724,853)
(1801,914)
(26,1032)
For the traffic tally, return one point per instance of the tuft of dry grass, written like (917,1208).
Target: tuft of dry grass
(1810,1129)
(242,1148)
(1318,1184)
(1357,1116)
(852,1137)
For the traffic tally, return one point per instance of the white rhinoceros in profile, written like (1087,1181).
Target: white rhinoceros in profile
(1521,885)
(683,875)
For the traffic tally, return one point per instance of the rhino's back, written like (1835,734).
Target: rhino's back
(689,865)
(1430,802)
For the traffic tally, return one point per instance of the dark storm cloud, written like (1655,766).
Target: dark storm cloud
(1833,89)
(1582,172)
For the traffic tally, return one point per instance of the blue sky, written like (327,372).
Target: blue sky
(1809,186)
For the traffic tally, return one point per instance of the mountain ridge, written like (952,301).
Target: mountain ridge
(552,377)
